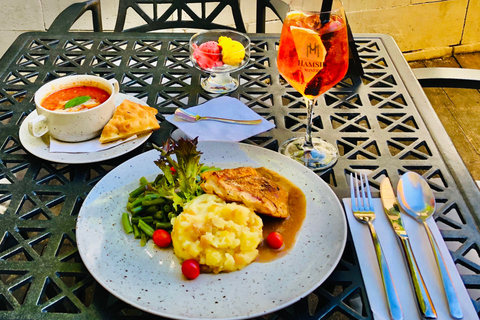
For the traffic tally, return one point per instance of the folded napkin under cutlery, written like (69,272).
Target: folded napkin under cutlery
(222,107)
(394,256)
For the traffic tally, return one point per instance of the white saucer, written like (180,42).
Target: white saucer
(40,146)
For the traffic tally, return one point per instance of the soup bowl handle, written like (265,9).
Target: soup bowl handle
(116,86)
(38,126)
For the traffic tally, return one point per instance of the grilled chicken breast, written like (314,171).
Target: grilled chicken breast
(247,186)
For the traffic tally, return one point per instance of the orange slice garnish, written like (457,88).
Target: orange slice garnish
(310,50)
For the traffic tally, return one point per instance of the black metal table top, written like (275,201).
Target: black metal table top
(381,122)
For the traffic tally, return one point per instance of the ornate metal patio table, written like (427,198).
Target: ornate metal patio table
(381,122)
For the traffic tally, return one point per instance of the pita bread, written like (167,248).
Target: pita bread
(129,118)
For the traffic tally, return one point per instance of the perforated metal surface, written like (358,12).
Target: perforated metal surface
(375,120)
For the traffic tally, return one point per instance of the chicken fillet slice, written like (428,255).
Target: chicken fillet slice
(247,186)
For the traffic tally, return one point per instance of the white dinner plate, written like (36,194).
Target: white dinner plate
(40,148)
(150,278)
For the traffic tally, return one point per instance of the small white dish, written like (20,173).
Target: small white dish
(39,147)
(151,279)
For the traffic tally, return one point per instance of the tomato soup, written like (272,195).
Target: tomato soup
(89,97)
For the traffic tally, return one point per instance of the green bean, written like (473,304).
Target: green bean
(150,210)
(163,225)
(136,232)
(153,202)
(135,193)
(143,239)
(172,215)
(127,226)
(151,196)
(158,215)
(137,202)
(129,206)
(147,219)
(167,208)
(145,228)
(143,181)
(135,211)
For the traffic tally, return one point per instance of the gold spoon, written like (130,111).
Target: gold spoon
(192,117)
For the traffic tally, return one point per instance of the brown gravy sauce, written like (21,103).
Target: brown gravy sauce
(289,227)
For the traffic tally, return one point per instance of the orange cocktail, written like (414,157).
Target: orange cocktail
(313,57)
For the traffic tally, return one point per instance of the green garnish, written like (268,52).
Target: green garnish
(181,184)
(76,101)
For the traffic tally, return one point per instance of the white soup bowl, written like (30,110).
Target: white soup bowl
(73,126)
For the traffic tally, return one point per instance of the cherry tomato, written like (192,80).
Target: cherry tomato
(162,238)
(190,269)
(275,240)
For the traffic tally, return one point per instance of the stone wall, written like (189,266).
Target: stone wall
(423,29)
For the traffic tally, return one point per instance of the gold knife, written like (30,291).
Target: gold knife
(392,209)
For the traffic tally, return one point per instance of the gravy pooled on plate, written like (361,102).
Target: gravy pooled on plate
(288,227)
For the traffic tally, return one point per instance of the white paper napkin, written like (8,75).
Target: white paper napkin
(92,145)
(398,268)
(222,107)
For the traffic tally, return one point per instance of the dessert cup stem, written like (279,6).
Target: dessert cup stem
(219,83)
(221,78)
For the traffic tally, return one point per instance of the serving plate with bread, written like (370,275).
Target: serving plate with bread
(131,116)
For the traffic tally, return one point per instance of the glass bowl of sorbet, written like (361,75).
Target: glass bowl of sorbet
(218,53)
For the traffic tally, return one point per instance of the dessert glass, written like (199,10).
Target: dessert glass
(207,55)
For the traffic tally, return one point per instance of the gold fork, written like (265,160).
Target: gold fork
(363,210)
(192,117)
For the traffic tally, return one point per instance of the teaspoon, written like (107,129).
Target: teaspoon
(417,199)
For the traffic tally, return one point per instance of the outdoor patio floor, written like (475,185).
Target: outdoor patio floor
(458,109)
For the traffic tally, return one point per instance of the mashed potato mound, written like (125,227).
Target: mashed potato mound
(222,236)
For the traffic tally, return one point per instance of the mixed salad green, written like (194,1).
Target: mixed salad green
(154,204)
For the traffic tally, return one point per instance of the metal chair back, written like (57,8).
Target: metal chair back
(170,14)
(173,14)
(64,21)
(278,7)
(448,77)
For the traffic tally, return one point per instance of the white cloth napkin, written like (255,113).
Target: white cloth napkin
(398,268)
(222,107)
(92,145)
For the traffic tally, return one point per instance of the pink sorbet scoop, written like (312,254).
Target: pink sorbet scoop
(208,55)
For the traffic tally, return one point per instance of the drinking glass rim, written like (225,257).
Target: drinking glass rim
(246,37)
(292,8)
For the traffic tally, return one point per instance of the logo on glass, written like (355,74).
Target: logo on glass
(313,49)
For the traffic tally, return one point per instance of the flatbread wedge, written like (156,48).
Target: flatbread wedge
(129,118)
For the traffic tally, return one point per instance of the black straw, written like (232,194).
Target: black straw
(325,12)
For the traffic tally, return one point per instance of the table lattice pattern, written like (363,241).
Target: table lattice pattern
(372,119)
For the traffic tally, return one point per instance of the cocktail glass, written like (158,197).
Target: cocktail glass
(312,58)
(211,52)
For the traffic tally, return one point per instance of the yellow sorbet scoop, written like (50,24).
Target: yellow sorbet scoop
(233,51)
